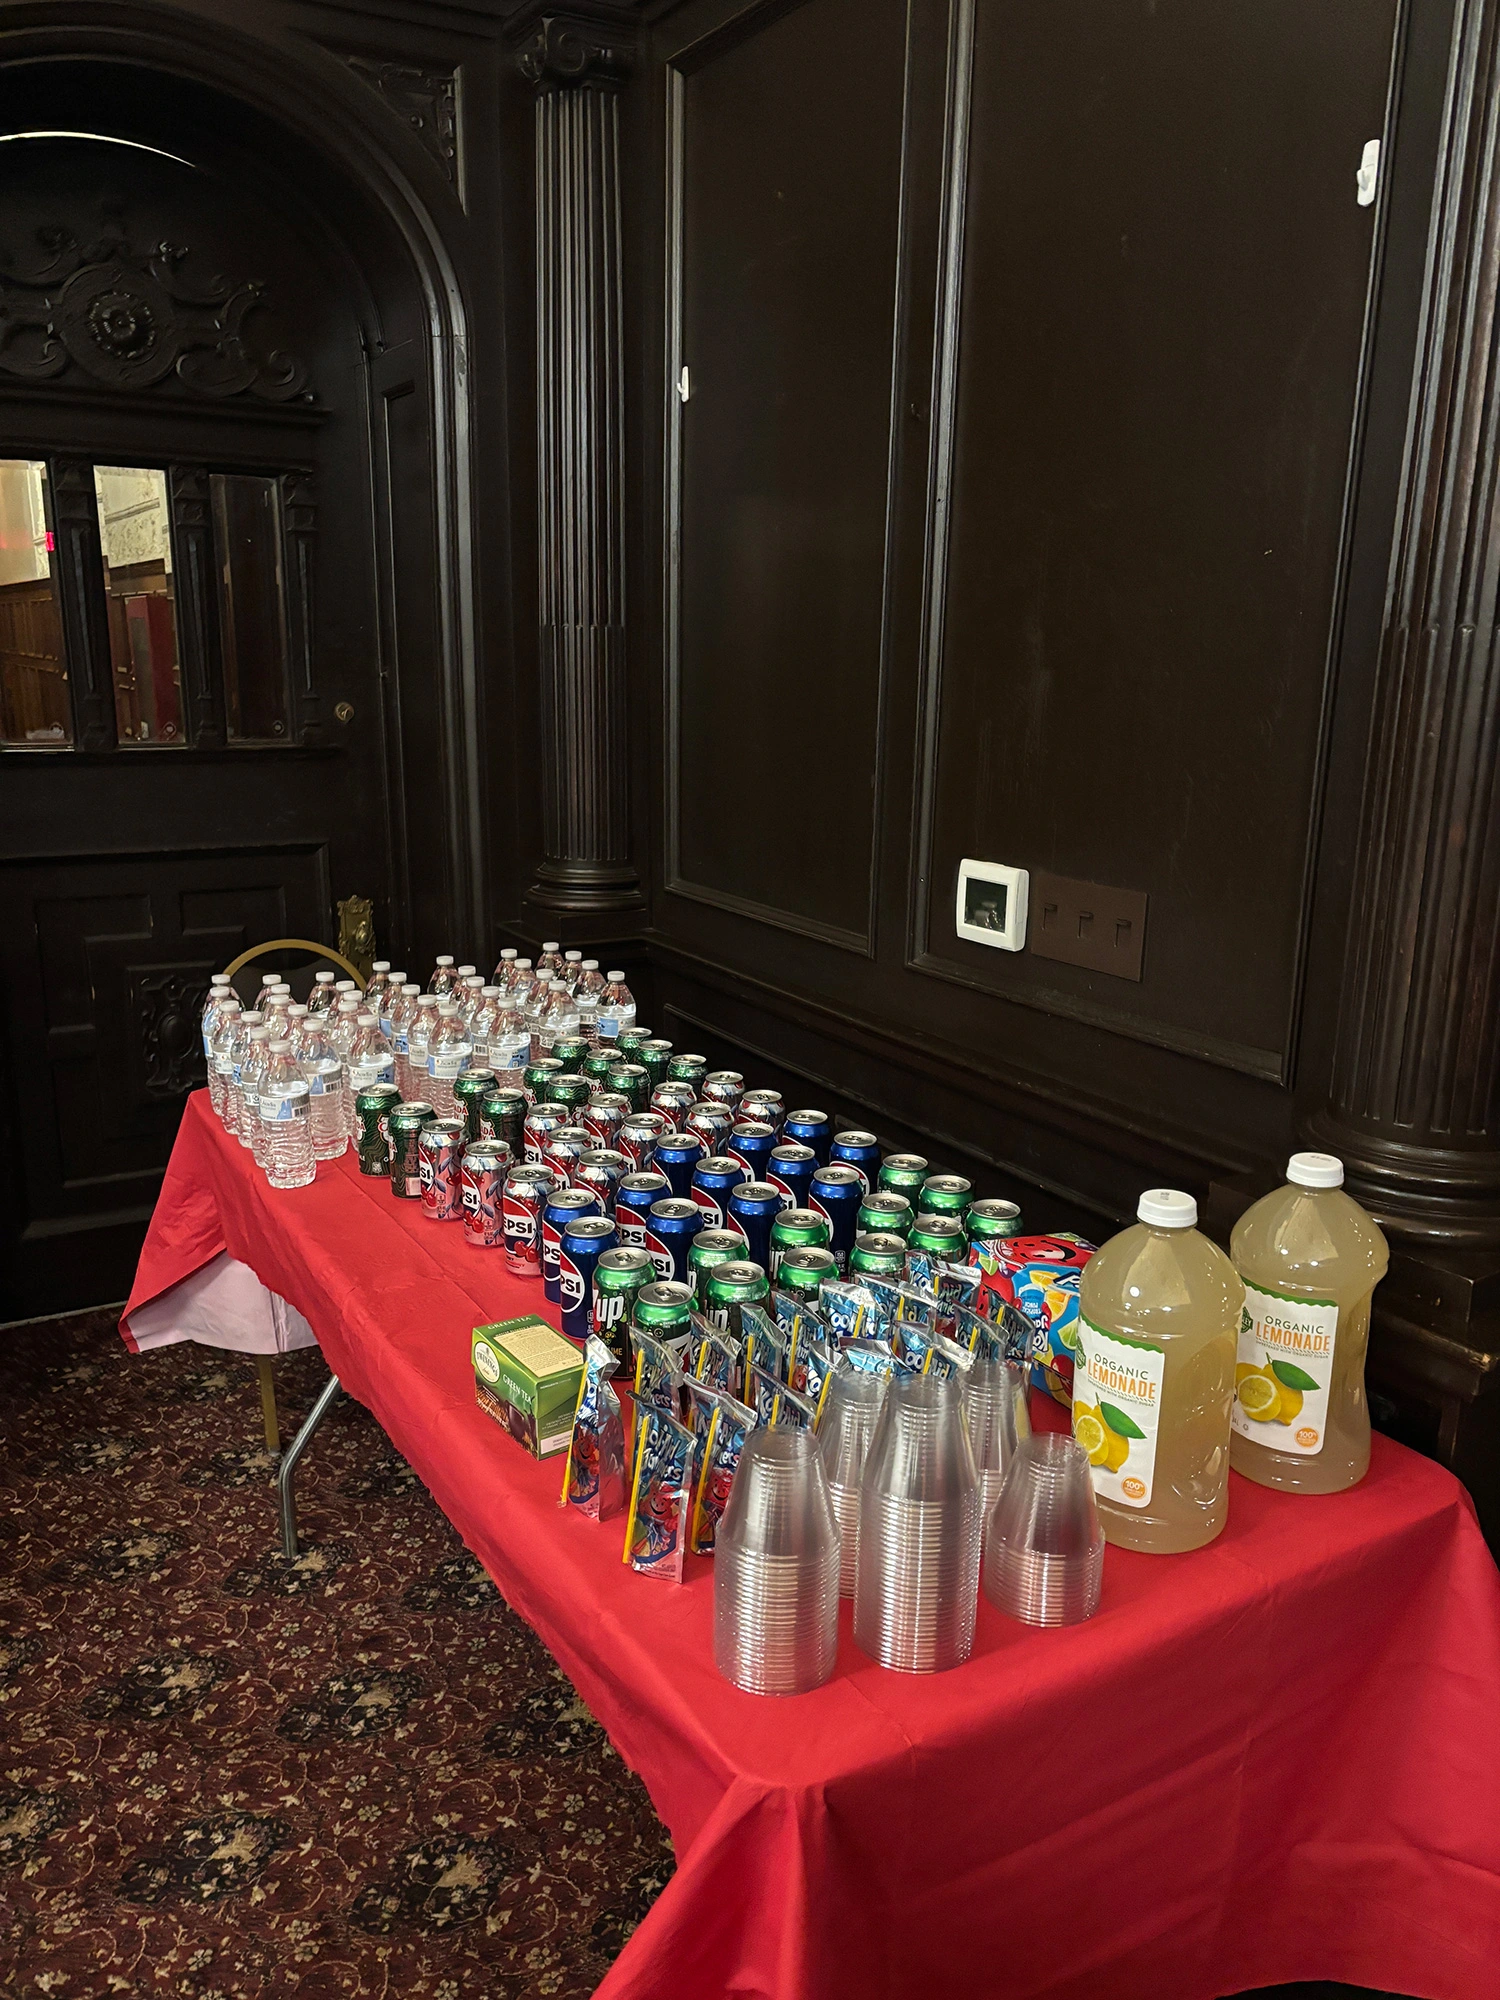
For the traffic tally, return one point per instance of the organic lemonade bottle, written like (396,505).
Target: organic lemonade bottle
(1154,1375)
(1310,1258)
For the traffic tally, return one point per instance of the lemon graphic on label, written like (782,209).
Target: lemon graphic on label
(1259,1396)
(1292,1383)
(1088,1429)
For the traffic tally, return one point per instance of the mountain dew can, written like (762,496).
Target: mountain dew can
(991,1221)
(404,1122)
(801,1272)
(903,1173)
(878,1255)
(570,1090)
(940,1236)
(885,1214)
(945,1194)
(688,1069)
(629,1042)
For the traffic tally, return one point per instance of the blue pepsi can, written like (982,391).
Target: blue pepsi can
(713,1180)
(860,1150)
(633,1197)
(766,1106)
(810,1128)
(671,1225)
(584,1242)
(677,1155)
(837,1192)
(752,1207)
(752,1143)
(790,1170)
(562,1206)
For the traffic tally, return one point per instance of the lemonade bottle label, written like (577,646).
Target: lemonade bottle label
(1117,1386)
(1283,1371)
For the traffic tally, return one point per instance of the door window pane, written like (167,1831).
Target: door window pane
(135,531)
(252,605)
(34,703)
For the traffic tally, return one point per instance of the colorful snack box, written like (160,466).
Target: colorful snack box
(1039,1276)
(729,1426)
(528,1378)
(656,1526)
(594,1476)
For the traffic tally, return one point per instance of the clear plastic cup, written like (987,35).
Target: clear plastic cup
(844,1435)
(997,1416)
(917,1568)
(1044,1546)
(776,1569)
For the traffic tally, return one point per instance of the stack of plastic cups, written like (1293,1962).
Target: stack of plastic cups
(776,1569)
(844,1434)
(1044,1547)
(917,1575)
(995,1409)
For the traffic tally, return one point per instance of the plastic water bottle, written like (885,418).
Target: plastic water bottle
(561,1017)
(380,973)
(587,1005)
(590,979)
(448,1055)
(616,1008)
(509,1039)
(235,1102)
(264,991)
(470,1000)
(572,970)
(218,989)
(221,1059)
(464,973)
(503,967)
(371,1061)
(320,1000)
(550,963)
(341,1032)
(325,1086)
(423,1026)
(518,983)
(286,1120)
(389,994)
(443,976)
(533,1006)
(482,1021)
(403,1008)
(252,1075)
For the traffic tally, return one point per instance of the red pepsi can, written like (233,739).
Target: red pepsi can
(601,1169)
(673,1101)
(860,1150)
(724,1086)
(752,1143)
(440,1151)
(713,1180)
(482,1175)
(810,1128)
(677,1155)
(790,1170)
(671,1225)
(526,1190)
(541,1122)
(562,1206)
(765,1105)
(563,1149)
(584,1242)
(606,1112)
(751,1209)
(633,1199)
(836,1193)
(712,1122)
(638,1136)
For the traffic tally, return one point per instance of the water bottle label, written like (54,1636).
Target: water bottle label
(282,1110)
(504,1057)
(385,1026)
(609,1027)
(1117,1397)
(449,1064)
(316,1085)
(365,1076)
(400,1042)
(224,1066)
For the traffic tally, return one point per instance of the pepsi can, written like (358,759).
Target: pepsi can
(677,1154)
(440,1147)
(753,1206)
(562,1206)
(601,1170)
(712,1122)
(713,1180)
(673,1101)
(526,1190)
(482,1183)
(605,1113)
(752,1143)
(790,1170)
(724,1086)
(860,1150)
(671,1225)
(810,1128)
(638,1135)
(764,1105)
(562,1150)
(633,1198)
(837,1192)
(584,1242)
(541,1122)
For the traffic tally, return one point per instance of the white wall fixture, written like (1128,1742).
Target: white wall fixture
(990,907)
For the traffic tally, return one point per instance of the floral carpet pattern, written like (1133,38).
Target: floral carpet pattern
(224,1778)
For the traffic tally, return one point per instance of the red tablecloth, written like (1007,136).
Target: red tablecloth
(1276,1759)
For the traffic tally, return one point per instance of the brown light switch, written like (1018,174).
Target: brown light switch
(1083,923)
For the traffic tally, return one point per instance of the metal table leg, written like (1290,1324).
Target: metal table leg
(289,1460)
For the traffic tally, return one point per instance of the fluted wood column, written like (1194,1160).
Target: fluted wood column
(577,70)
(1415,1110)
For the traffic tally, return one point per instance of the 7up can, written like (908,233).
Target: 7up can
(797,1229)
(619,1277)
(801,1272)
(731,1286)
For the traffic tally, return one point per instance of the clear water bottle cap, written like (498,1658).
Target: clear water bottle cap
(1167,1208)
(411,988)
(323,978)
(232,1007)
(345,986)
(1315,1170)
(466,971)
(259,1034)
(614,978)
(281,986)
(220,979)
(251,1016)
(475,980)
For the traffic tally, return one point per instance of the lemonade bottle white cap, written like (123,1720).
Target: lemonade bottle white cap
(1315,1170)
(1167,1208)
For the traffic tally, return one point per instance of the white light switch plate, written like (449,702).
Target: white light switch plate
(990,907)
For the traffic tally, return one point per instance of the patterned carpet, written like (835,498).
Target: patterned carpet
(224,1778)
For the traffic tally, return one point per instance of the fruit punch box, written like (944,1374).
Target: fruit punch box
(1040,1275)
(527,1376)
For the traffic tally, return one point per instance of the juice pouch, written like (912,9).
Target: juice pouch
(988,1341)
(950,1284)
(594,1475)
(765,1343)
(794,1412)
(786,1306)
(849,1306)
(868,1357)
(764,1391)
(1039,1275)
(719,1359)
(812,1369)
(946,1357)
(656,1527)
(658,1379)
(731,1424)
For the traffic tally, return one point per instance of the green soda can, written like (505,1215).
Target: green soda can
(662,1309)
(801,1272)
(536,1074)
(797,1229)
(404,1122)
(620,1276)
(371,1108)
(688,1069)
(629,1041)
(710,1248)
(946,1194)
(731,1286)
(597,1065)
(572,1091)
(991,1221)
(469,1092)
(903,1173)
(503,1115)
(878,1254)
(632,1082)
(940,1236)
(884,1214)
(572,1052)
(654,1056)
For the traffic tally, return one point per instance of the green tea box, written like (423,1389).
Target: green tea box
(527,1377)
